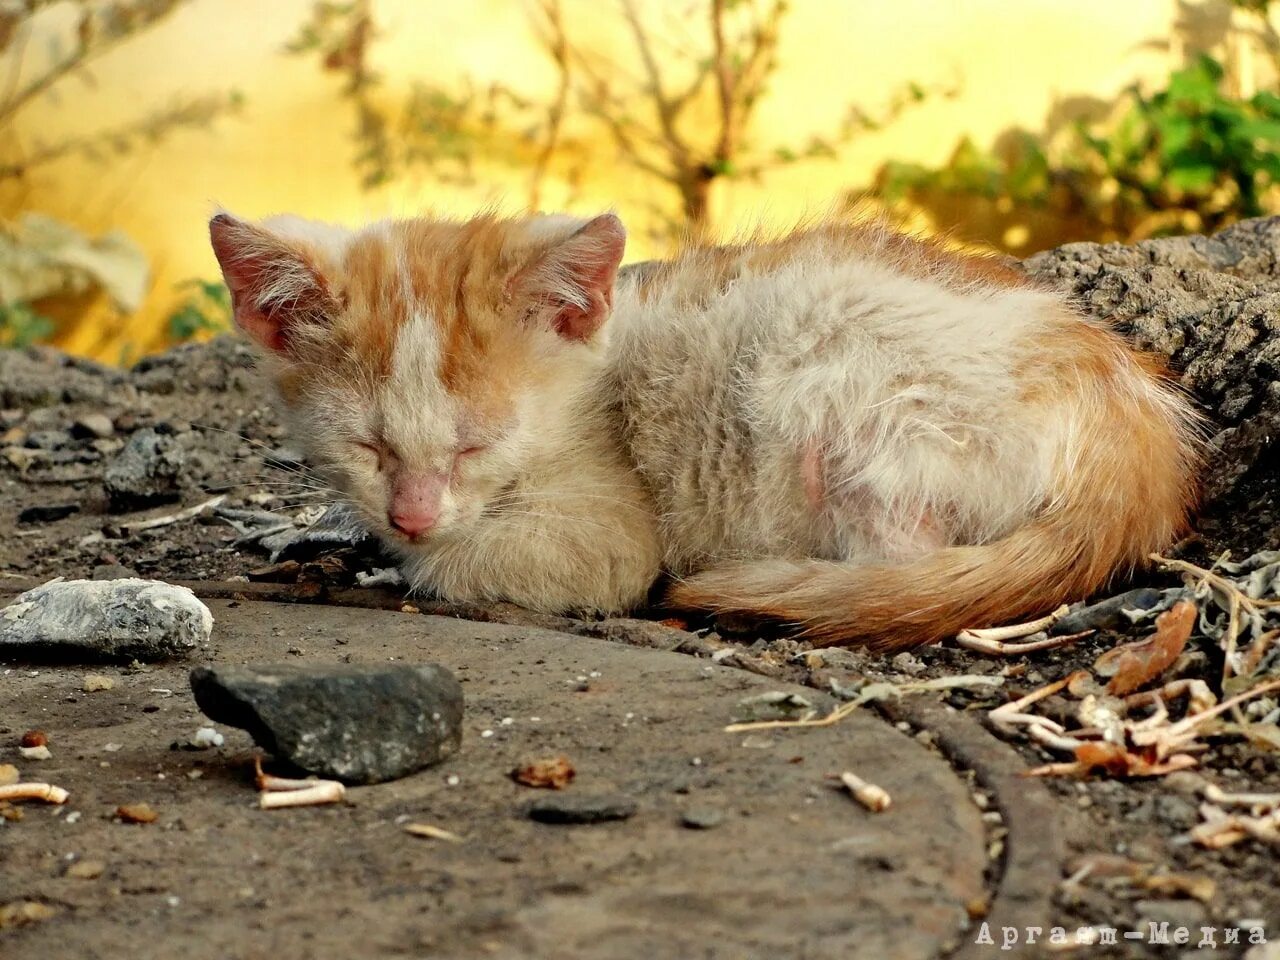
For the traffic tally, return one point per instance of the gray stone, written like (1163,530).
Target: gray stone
(95,620)
(358,724)
(702,818)
(146,472)
(574,808)
(1210,307)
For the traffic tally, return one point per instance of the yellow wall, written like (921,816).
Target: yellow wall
(289,148)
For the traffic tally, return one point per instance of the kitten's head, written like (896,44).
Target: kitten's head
(420,360)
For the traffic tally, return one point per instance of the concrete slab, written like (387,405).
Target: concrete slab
(796,869)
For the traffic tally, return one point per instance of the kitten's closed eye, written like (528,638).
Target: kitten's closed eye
(473,449)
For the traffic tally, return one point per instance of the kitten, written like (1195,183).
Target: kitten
(845,429)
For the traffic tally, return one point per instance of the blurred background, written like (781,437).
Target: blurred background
(1011,125)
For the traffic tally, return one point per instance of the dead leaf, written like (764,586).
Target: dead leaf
(1133,665)
(1119,761)
(553,773)
(137,813)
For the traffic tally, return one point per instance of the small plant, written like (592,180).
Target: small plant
(21,325)
(1185,158)
(205,312)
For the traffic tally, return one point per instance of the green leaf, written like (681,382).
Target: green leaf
(1192,177)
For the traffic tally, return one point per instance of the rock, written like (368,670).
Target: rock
(573,808)
(1210,307)
(146,472)
(702,818)
(93,682)
(358,724)
(92,425)
(48,513)
(94,620)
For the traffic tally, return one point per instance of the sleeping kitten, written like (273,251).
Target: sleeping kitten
(845,429)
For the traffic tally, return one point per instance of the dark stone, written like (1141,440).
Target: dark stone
(146,472)
(48,513)
(702,818)
(358,724)
(582,808)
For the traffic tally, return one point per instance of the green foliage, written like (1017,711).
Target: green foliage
(21,326)
(1185,157)
(207,310)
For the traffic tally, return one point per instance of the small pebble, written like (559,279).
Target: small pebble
(35,753)
(93,682)
(86,869)
(582,808)
(92,425)
(206,737)
(8,774)
(702,818)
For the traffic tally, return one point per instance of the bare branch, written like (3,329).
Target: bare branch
(662,106)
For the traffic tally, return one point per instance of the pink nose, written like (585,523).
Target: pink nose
(415,502)
(413,524)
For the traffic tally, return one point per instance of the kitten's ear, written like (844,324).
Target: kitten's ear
(274,285)
(571,284)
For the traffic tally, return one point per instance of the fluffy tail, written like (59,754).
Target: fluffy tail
(1125,493)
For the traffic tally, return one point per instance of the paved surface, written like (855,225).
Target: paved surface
(796,869)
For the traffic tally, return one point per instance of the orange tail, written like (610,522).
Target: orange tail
(1127,493)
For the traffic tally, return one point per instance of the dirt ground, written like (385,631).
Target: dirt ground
(795,869)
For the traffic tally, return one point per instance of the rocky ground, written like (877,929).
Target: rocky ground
(178,470)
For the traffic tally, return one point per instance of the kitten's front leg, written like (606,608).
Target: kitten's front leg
(555,551)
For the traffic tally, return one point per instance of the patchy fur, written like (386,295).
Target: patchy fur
(845,429)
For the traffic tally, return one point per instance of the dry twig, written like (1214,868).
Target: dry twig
(869,693)
(432,832)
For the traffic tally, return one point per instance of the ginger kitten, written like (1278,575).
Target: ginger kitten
(845,429)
